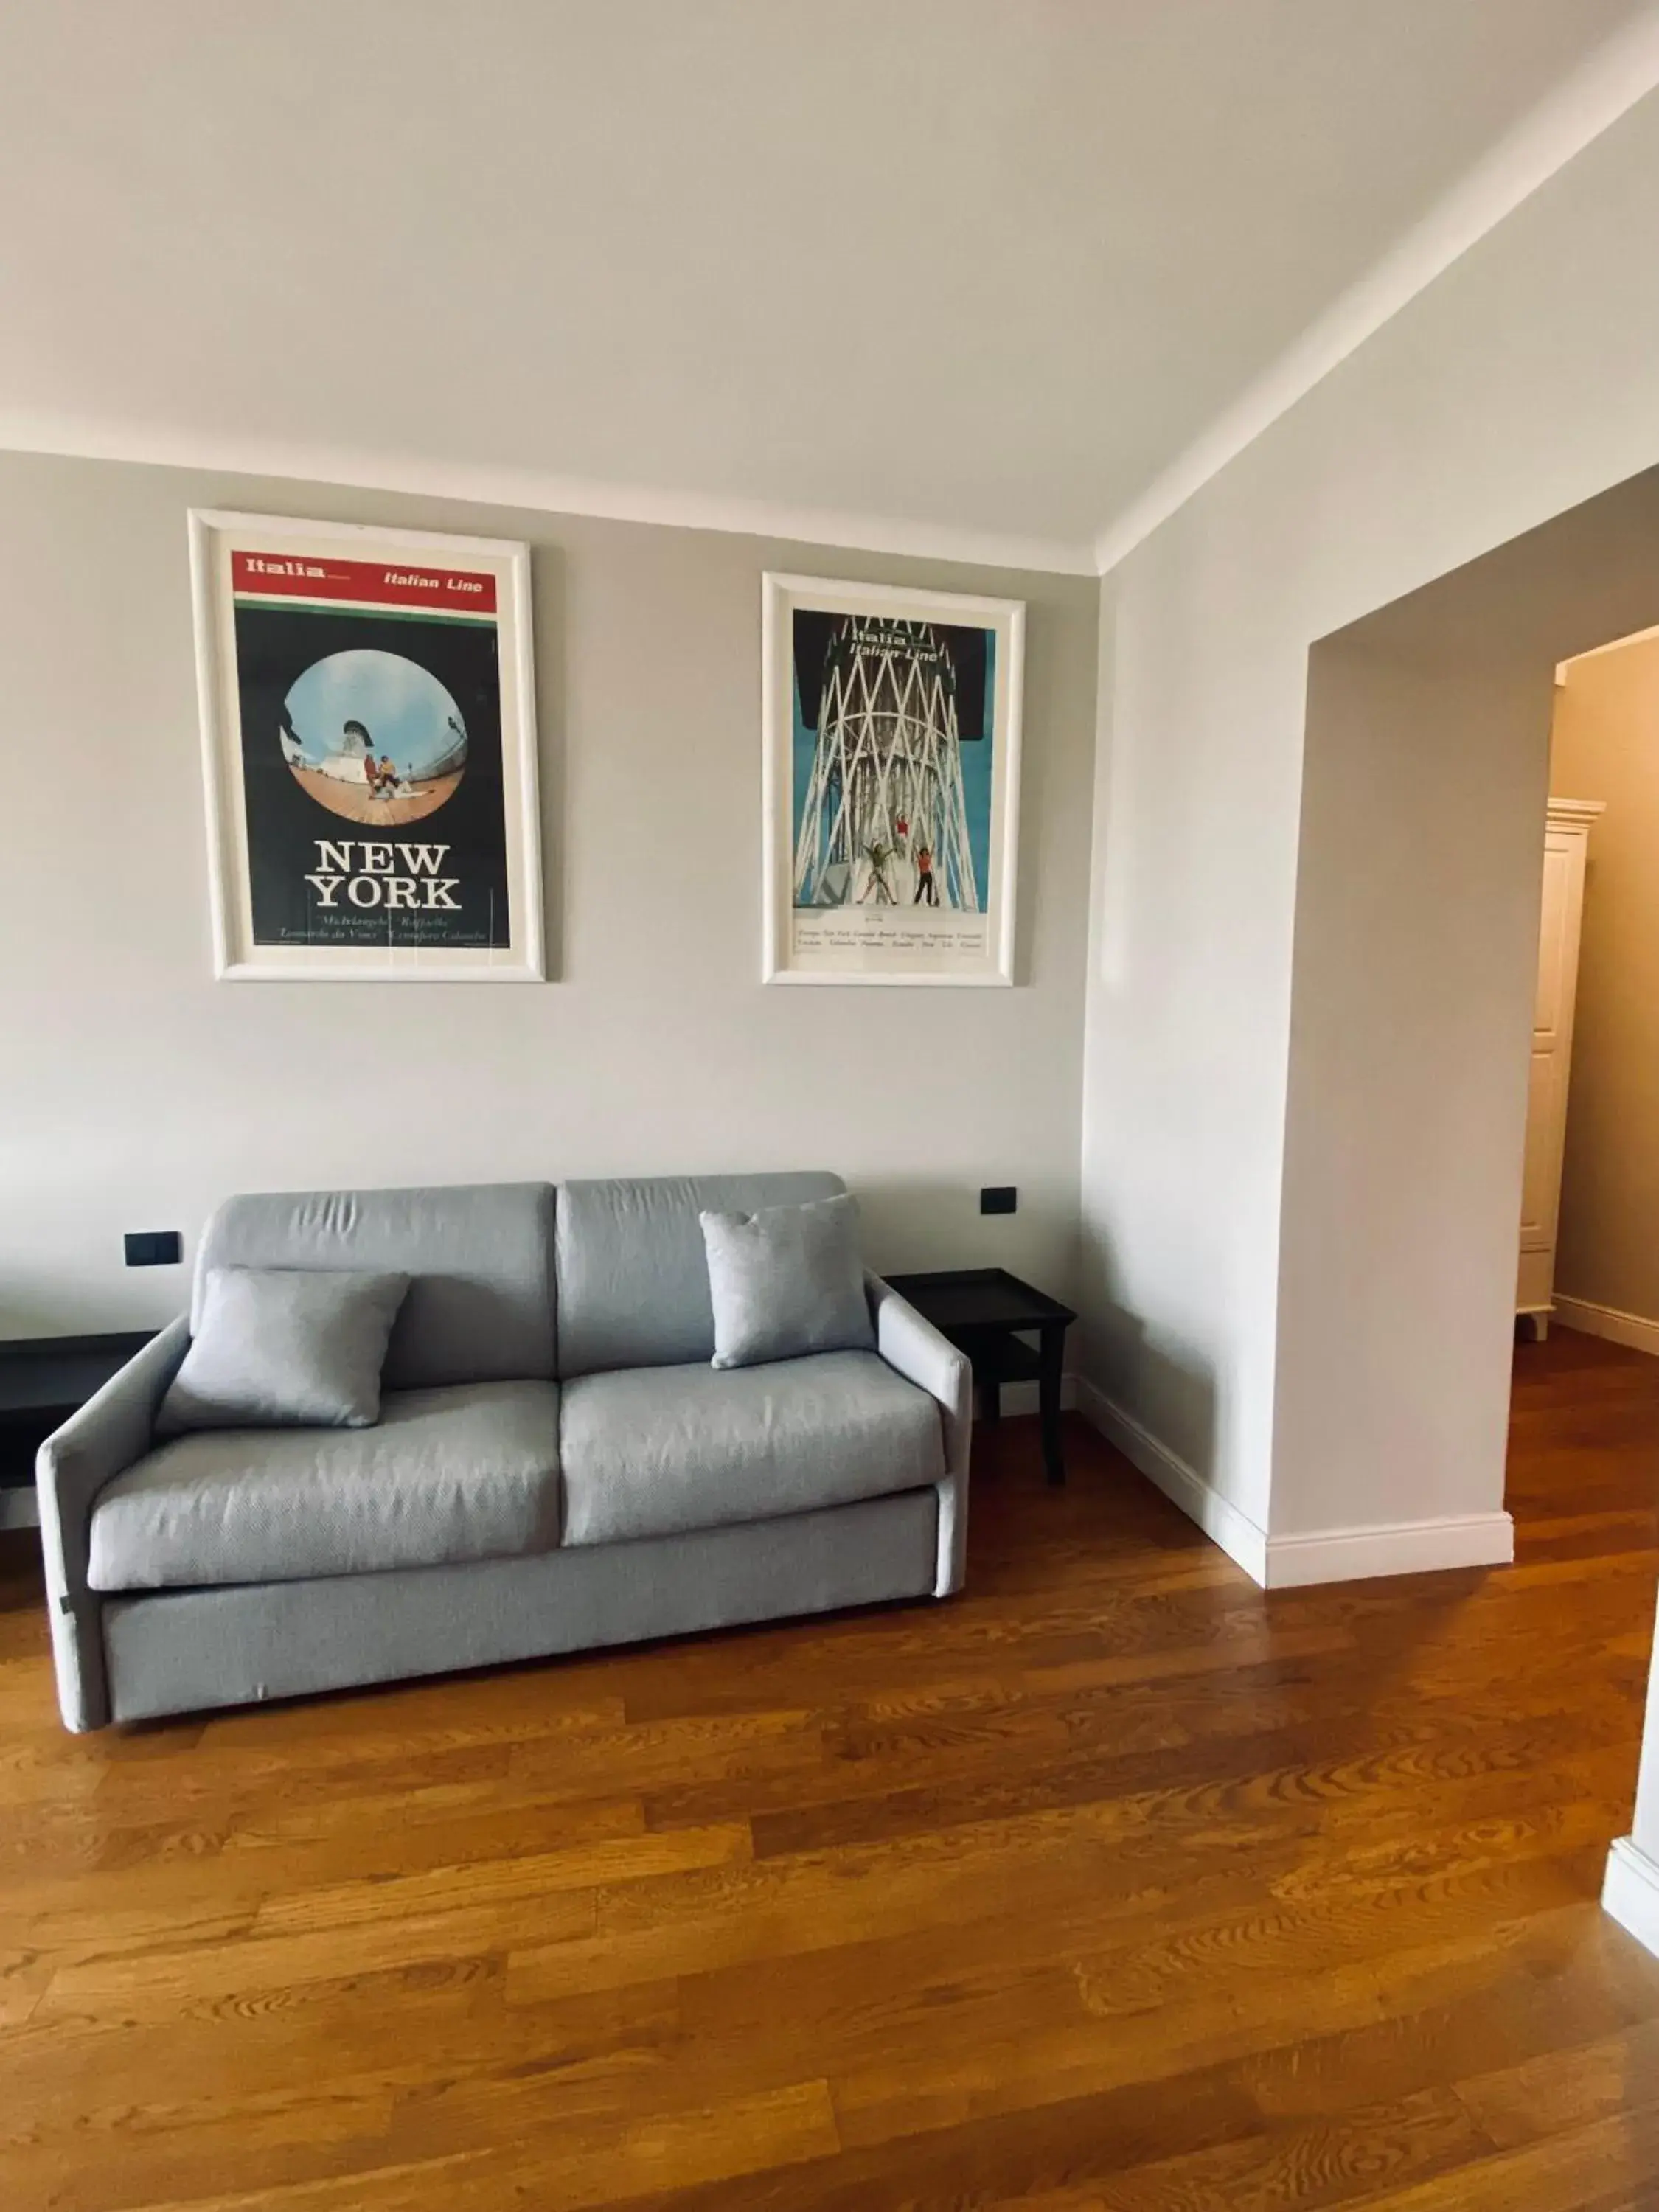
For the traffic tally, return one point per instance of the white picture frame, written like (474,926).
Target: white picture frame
(326,863)
(871,694)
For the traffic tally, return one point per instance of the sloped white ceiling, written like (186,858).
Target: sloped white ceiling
(976,266)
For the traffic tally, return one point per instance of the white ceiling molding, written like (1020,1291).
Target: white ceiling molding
(1610,82)
(540,494)
(1074,413)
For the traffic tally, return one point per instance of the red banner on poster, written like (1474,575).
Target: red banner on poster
(367,583)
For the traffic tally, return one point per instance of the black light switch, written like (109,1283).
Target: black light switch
(999,1198)
(154,1247)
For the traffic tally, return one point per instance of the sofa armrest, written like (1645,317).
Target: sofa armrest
(108,1434)
(914,1348)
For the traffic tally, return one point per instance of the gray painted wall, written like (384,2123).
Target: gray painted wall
(136,1090)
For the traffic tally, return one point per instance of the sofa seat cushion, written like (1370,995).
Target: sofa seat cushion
(650,1451)
(467,1471)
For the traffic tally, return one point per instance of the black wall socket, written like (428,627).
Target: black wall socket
(154,1247)
(999,1198)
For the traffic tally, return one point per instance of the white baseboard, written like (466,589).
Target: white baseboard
(1607,1321)
(1630,1891)
(1394,1547)
(1320,1555)
(1221,1522)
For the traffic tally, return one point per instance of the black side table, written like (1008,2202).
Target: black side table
(986,1313)
(43,1380)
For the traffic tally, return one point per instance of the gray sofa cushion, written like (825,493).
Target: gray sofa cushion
(652,1450)
(173,1651)
(480,1257)
(633,1278)
(466,1473)
(282,1347)
(786,1280)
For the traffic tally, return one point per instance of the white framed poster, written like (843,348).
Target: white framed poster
(891,782)
(368,742)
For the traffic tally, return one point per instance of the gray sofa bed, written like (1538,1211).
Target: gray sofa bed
(557,1465)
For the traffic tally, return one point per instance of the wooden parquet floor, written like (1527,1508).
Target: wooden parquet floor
(1114,1883)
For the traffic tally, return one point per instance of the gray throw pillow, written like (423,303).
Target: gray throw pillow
(284,1347)
(785,1281)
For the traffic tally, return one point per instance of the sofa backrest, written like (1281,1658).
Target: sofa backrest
(633,1278)
(480,1256)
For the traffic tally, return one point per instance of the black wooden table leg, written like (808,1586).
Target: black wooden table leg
(1053,1354)
(991,1317)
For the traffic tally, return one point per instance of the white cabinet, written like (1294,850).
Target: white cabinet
(1566,842)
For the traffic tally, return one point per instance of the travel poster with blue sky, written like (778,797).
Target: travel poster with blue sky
(370,702)
(897,797)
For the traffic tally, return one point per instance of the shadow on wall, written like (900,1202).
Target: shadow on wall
(1166,1393)
(32,1302)
(912,1226)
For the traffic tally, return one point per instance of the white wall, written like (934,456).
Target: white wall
(135,1090)
(1414,978)
(1605,746)
(1519,383)
(1414,970)
(1630,1891)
